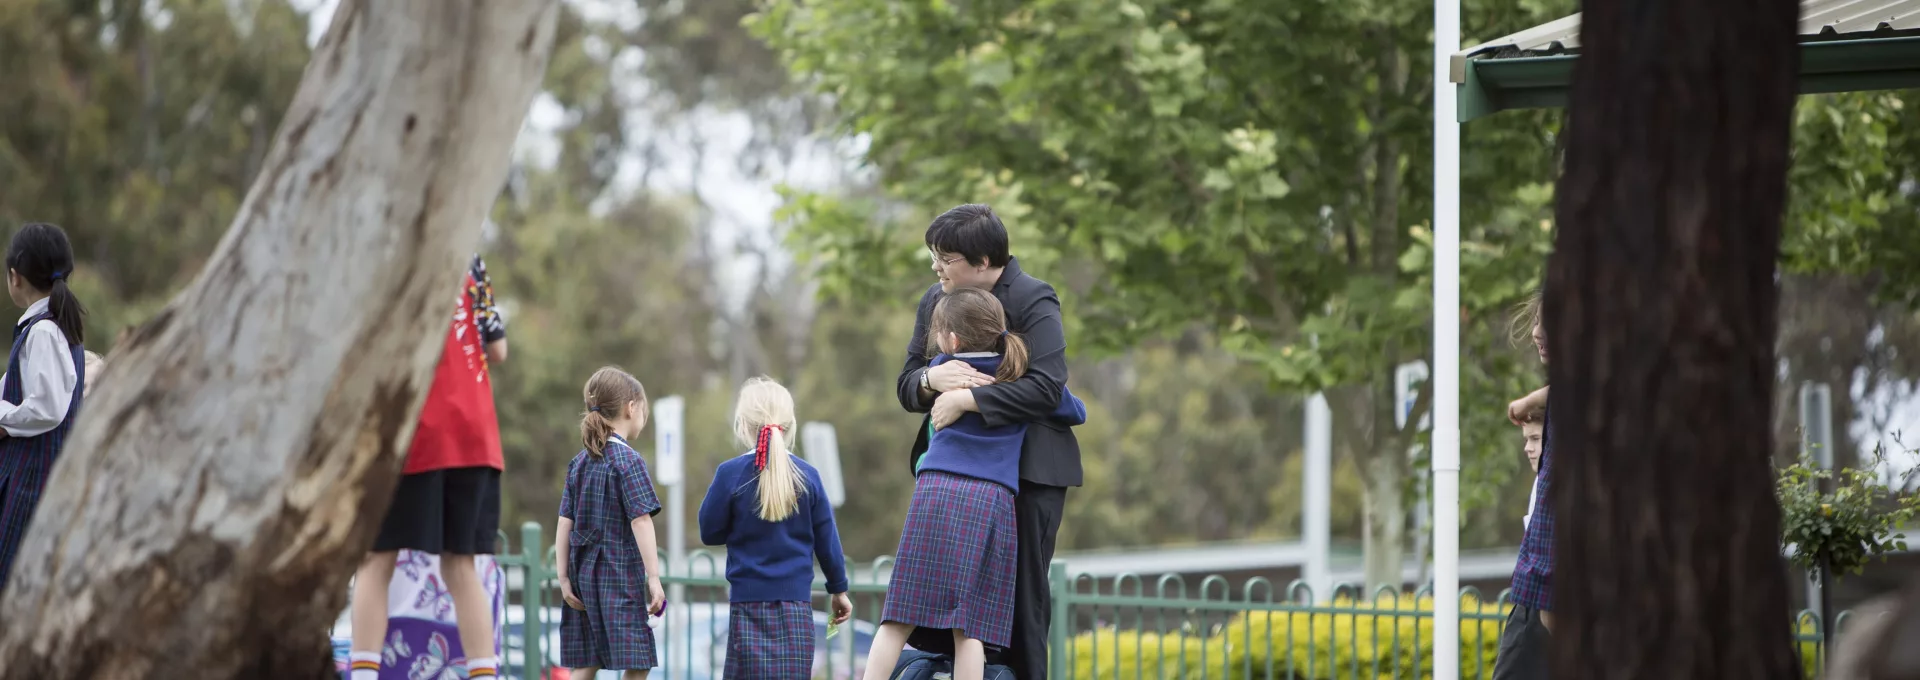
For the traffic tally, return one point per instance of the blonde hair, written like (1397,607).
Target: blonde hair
(1526,315)
(765,410)
(607,392)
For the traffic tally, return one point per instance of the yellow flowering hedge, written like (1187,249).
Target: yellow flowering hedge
(1367,635)
(1358,643)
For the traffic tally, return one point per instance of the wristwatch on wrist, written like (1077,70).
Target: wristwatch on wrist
(925,384)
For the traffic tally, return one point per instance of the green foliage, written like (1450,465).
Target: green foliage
(1147,139)
(1847,526)
(575,304)
(141,141)
(1254,171)
(1182,444)
(1380,638)
(589,275)
(1852,206)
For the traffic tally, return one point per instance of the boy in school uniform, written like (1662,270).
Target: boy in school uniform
(1526,636)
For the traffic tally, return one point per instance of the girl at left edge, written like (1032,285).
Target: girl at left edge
(45,380)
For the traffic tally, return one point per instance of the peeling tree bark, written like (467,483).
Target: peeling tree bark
(221,485)
(1661,314)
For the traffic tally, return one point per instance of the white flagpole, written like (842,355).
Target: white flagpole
(1446,345)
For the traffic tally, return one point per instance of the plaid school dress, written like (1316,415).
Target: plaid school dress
(603,494)
(26,462)
(955,566)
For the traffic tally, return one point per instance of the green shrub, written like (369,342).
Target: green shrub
(1852,524)
(1364,639)
(1110,654)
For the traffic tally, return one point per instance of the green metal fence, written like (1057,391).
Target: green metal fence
(1119,628)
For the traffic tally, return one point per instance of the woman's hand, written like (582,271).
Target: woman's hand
(566,593)
(842,608)
(949,406)
(956,375)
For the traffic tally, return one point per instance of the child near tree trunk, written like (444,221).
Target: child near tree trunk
(46,377)
(605,541)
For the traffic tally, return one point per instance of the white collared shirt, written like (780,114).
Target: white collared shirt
(1533,496)
(47,379)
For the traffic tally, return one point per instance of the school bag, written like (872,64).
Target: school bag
(918,665)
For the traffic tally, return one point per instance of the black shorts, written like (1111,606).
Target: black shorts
(1523,647)
(444,512)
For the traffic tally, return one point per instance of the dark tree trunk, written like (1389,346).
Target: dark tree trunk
(1661,312)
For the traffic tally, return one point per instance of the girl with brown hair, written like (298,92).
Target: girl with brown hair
(605,539)
(954,569)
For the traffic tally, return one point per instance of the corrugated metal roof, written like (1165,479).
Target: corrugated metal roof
(1819,20)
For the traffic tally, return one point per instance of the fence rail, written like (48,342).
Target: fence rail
(1120,628)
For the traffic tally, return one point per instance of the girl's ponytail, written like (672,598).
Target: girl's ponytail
(41,255)
(764,418)
(594,431)
(779,481)
(607,393)
(67,311)
(1013,358)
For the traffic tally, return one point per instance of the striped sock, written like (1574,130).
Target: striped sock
(365,665)
(483,667)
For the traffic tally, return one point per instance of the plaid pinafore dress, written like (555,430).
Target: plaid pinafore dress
(25,462)
(603,495)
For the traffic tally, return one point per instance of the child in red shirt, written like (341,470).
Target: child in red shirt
(448,501)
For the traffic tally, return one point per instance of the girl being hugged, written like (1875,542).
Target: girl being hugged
(954,569)
(771,511)
(605,537)
(46,376)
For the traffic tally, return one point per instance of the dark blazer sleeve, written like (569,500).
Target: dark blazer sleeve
(908,384)
(1034,397)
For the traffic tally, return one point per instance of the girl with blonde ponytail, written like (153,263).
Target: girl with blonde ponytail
(771,511)
(762,419)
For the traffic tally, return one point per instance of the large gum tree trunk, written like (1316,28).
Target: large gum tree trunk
(219,489)
(1661,307)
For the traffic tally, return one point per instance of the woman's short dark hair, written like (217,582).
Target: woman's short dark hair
(971,231)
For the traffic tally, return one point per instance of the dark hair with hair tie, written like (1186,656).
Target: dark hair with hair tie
(41,255)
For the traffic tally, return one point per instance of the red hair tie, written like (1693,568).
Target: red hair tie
(760,447)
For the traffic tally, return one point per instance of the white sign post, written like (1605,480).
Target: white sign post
(821,446)
(670,469)
(1317,513)
(669,440)
(1406,380)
